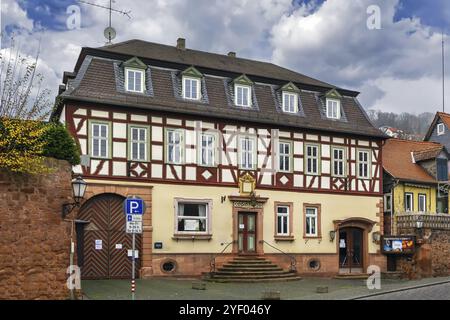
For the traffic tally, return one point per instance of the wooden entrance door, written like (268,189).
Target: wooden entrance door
(104,244)
(247,233)
(351,250)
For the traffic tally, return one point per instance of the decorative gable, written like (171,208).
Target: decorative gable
(192,72)
(244,80)
(290,87)
(333,94)
(135,62)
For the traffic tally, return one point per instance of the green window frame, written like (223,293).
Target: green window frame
(248,155)
(337,163)
(174,145)
(139,142)
(310,159)
(366,174)
(141,83)
(283,156)
(210,152)
(97,135)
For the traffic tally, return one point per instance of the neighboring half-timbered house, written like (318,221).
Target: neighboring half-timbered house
(231,155)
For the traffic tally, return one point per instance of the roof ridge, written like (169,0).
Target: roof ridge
(414,141)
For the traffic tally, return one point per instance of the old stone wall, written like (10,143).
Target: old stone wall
(440,253)
(34,239)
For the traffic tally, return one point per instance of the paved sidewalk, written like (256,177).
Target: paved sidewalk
(305,289)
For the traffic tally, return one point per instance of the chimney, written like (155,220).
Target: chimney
(181,44)
(232,54)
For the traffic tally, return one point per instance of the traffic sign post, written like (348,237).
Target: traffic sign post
(134,208)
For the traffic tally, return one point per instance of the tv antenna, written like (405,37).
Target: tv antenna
(443,72)
(110,32)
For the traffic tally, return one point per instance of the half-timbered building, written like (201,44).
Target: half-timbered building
(235,158)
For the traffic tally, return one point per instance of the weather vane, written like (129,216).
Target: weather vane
(110,32)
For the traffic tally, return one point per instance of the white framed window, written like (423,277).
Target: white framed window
(283,220)
(333,109)
(440,129)
(247,153)
(174,146)
(134,80)
(99,140)
(242,95)
(284,156)
(290,102)
(207,150)
(422,202)
(312,159)
(311,217)
(138,142)
(363,164)
(409,202)
(191,88)
(338,160)
(192,216)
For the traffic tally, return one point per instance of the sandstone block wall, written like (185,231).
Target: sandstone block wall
(34,239)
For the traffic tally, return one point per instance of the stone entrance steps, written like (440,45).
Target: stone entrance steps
(251,269)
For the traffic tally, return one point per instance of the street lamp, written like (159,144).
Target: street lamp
(78,190)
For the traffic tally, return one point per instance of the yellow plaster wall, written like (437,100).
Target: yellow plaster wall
(399,198)
(334,207)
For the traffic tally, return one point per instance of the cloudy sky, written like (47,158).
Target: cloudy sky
(396,68)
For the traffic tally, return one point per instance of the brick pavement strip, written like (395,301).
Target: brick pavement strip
(305,289)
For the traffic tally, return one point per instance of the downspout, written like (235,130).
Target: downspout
(396,183)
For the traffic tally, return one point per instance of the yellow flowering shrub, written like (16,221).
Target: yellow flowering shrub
(21,145)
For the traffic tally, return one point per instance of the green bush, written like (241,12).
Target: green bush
(59,144)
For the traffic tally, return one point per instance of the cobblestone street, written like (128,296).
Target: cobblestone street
(305,289)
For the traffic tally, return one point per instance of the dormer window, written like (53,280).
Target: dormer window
(134,70)
(134,81)
(191,88)
(242,95)
(440,129)
(333,109)
(243,91)
(290,98)
(290,102)
(191,83)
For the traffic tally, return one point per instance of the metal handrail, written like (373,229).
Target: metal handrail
(212,262)
(293,260)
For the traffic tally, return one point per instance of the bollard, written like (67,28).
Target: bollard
(198,285)
(322,289)
(270,295)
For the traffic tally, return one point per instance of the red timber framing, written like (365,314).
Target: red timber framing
(226,172)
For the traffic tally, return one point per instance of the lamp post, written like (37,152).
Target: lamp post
(78,190)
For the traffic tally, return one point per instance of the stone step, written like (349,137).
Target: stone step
(280,279)
(257,276)
(355,276)
(252,272)
(265,269)
(250,258)
(241,262)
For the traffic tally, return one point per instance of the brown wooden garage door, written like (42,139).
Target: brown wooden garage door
(104,240)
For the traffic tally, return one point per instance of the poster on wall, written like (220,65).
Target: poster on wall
(191,225)
(398,244)
(98,244)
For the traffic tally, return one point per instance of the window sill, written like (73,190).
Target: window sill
(284,238)
(312,237)
(192,237)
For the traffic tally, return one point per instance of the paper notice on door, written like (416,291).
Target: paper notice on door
(98,244)
(118,246)
(241,226)
(342,243)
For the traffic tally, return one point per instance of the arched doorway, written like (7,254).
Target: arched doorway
(351,253)
(102,241)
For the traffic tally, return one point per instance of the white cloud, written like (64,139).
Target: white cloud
(329,42)
(334,44)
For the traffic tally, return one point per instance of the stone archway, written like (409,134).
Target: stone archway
(357,229)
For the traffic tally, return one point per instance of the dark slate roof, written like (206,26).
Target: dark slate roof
(100,80)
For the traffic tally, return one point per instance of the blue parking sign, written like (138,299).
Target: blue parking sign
(134,205)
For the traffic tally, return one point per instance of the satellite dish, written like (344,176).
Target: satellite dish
(110,33)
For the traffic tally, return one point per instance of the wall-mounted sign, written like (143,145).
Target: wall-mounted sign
(191,225)
(118,246)
(98,244)
(398,244)
(247,184)
(158,245)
